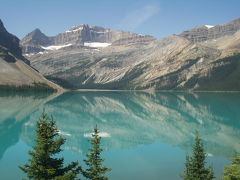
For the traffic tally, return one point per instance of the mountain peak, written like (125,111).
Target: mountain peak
(86,27)
(77,28)
(2,28)
(36,32)
(1,23)
(208,32)
(36,37)
(10,42)
(209,26)
(235,21)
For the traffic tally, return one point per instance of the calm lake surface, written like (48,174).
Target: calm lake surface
(145,136)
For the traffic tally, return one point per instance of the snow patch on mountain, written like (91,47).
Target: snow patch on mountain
(209,26)
(74,30)
(55,47)
(97,44)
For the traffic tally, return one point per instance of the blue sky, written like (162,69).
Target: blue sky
(159,18)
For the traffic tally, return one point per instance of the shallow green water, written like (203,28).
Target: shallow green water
(145,136)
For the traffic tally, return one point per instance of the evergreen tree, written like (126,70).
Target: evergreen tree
(195,166)
(94,161)
(232,172)
(44,165)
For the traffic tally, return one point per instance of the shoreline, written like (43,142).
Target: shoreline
(148,91)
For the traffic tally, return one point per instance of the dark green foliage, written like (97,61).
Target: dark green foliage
(224,76)
(44,165)
(94,161)
(64,83)
(35,87)
(195,166)
(232,172)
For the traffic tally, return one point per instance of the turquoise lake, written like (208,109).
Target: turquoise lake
(146,136)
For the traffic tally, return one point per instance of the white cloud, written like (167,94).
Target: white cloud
(137,17)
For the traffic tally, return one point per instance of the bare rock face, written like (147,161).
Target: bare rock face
(84,33)
(77,36)
(120,60)
(207,32)
(10,42)
(36,37)
(33,41)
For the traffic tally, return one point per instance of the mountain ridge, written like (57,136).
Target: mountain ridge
(206,32)
(35,41)
(177,62)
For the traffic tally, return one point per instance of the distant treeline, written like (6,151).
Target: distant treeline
(35,87)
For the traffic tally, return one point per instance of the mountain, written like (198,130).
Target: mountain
(208,32)
(34,40)
(9,44)
(204,58)
(14,68)
(79,36)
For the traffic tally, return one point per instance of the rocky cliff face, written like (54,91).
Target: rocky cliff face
(14,68)
(10,43)
(207,32)
(137,62)
(80,36)
(33,41)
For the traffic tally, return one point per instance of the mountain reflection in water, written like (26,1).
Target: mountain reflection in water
(128,119)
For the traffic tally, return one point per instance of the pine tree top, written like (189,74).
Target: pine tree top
(94,160)
(43,163)
(195,165)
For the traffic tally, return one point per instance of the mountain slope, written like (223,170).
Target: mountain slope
(14,68)
(177,62)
